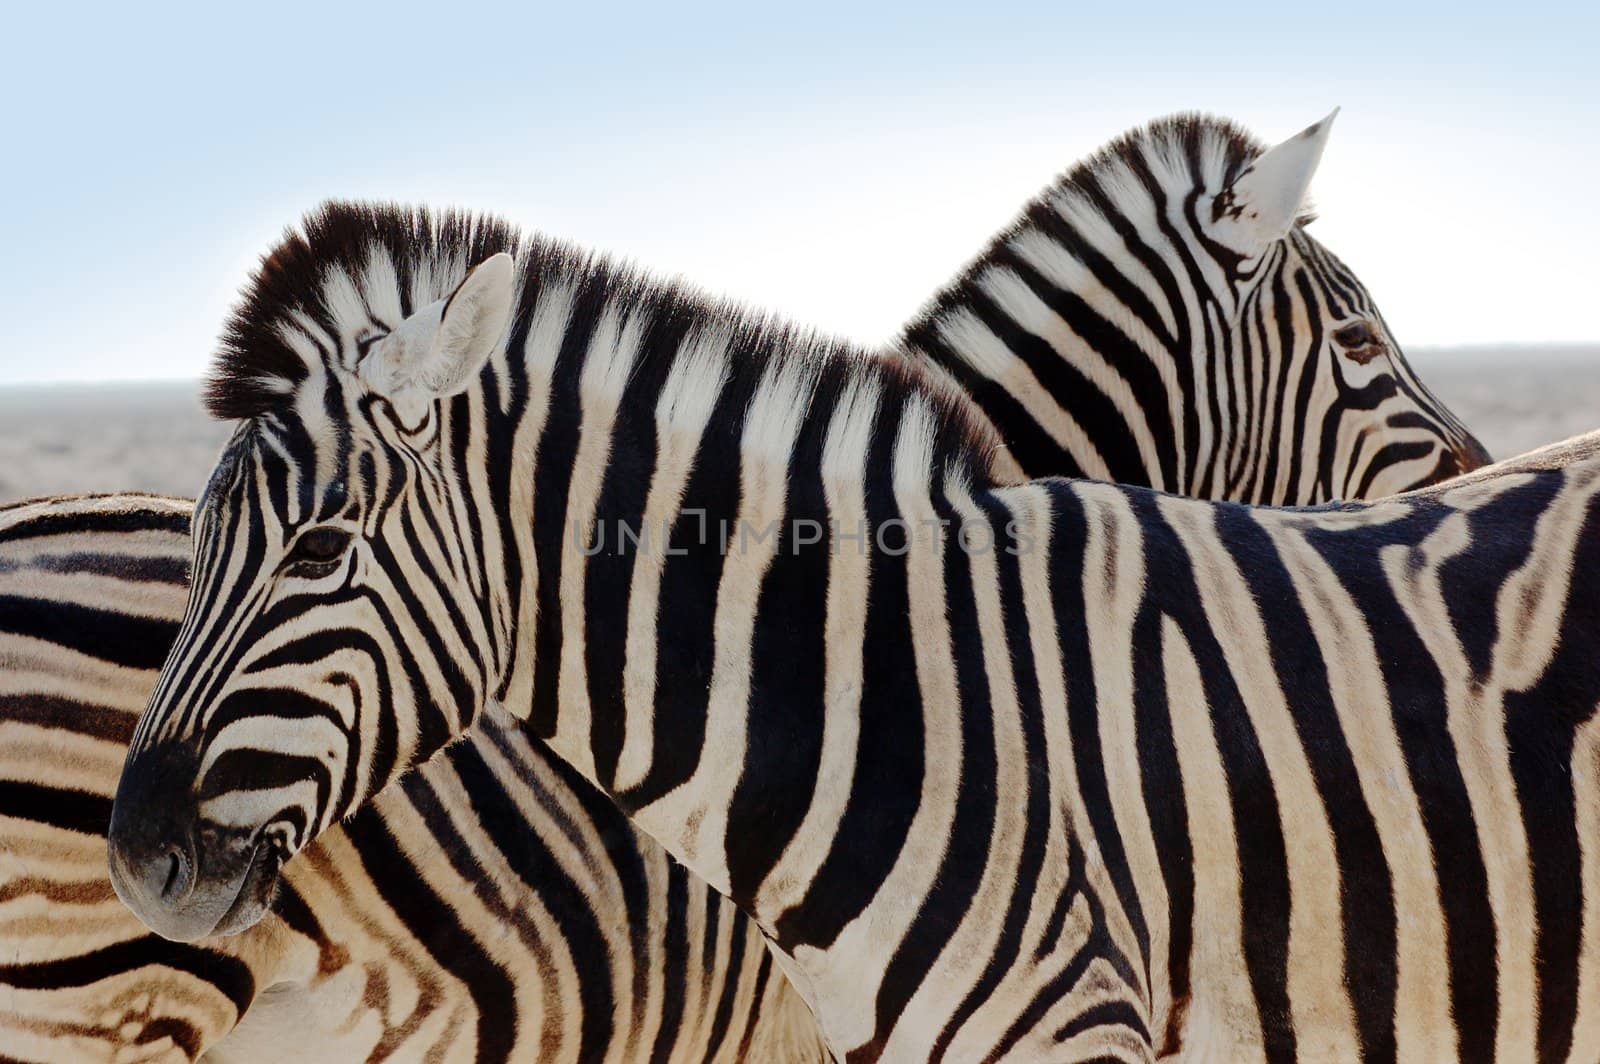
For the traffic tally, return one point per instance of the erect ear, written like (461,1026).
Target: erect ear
(1263,202)
(437,351)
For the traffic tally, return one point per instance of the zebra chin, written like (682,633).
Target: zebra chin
(183,877)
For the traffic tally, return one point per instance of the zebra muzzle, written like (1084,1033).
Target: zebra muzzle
(183,878)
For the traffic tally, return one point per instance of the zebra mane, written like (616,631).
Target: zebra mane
(304,287)
(1175,155)
(1179,152)
(258,363)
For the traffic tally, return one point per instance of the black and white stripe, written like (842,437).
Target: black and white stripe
(978,296)
(1128,327)
(492,908)
(1150,775)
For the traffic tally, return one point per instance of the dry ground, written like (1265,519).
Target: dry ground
(153,437)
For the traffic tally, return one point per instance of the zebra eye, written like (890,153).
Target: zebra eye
(1360,341)
(365,341)
(319,548)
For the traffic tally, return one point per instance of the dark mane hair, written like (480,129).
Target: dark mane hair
(1182,144)
(1186,136)
(255,366)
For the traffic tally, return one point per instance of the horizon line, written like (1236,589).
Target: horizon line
(1427,350)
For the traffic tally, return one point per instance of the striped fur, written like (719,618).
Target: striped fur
(433,926)
(1119,330)
(1149,775)
(980,296)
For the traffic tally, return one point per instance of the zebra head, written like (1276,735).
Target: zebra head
(1353,415)
(1161,315)
(330,546)
(1351,419)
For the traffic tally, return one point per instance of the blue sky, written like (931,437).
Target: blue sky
(830,160)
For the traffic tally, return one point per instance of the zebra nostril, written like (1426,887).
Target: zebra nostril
(178,879)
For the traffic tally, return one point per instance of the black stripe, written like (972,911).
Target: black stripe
(1263,860)
(674,960)
(1069,546)
(1278,331)
(120,638)
(565,899)
(77,520)
(1500,540)
(1216,341)
(608,573)
(1390,455)
(686,601)
(1008,946)
(1134,300)
(231,976)
(1541,727)
(1307,383)
(1367,909)
(530,761)
(1257,451)
(558,447)
(497,440)
(131,568)
(1162,792)
(1174,286)
(1099,1018)
(967,854)
(1421,716)
(758,1001)
(242,536)
(783,749)
(398,880)
(1097,945)
(886,787)
(1083,395)
(722,1019)
(57,713)
(1034,449)
(59,807)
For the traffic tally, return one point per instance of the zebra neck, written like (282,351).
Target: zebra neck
(708,498)
(621,418)
(1118,368)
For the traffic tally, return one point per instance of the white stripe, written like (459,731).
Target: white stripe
(609,360)
(844,454)
(693,819)
(697,378)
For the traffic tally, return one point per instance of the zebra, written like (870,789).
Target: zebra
(422,929)
(1161,316)
(998,767)
(1071,350)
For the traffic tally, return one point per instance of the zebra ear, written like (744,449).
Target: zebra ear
(439,350)
(1263,202)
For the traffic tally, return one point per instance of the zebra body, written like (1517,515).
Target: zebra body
(420,930)
(938,777)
